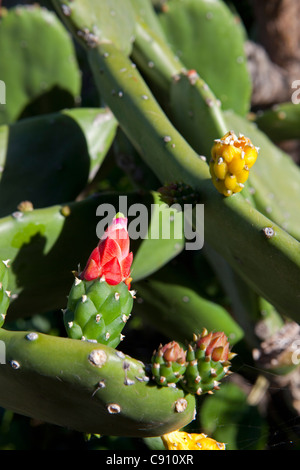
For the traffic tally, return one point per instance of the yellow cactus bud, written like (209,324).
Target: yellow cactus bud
(242,176)
(229,153)
(230,181)
(232,157)
(178,440)
(250,157)
(220,168)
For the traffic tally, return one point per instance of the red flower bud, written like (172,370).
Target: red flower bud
(172,352)
(216,346)
(111,258)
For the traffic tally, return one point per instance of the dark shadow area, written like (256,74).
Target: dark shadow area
(47,162)
(51,101)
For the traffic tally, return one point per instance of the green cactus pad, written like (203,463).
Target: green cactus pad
(96,22)
(196,112)
(195,30)
(178,310)
(86,387)
(43,58)
(98,311)
(28,169)
(281,122)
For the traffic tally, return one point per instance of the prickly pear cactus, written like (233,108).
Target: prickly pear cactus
(100,300)
(160,141)
(195,31)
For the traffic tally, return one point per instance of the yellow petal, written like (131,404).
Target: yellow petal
(230,182)
(220,169)
(179,440)
(250,156)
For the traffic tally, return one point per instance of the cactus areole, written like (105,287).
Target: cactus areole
(111,258)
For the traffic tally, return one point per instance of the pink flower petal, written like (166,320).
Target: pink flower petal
(126,265)
(93,268)
(112,272)
(109,249)
(111,258)
(122,239)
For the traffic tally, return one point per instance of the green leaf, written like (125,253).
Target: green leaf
(171,301)
(37,57)
(99,127)
(281,122)
(228,417)
(207,37)
(94,22)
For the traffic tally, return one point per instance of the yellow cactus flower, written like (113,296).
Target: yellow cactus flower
(179,440)
(232,158)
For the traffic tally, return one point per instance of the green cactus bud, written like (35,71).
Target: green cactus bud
(98,311)
(208,361)
(168,364)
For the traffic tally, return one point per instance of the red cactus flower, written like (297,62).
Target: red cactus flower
(111,258)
